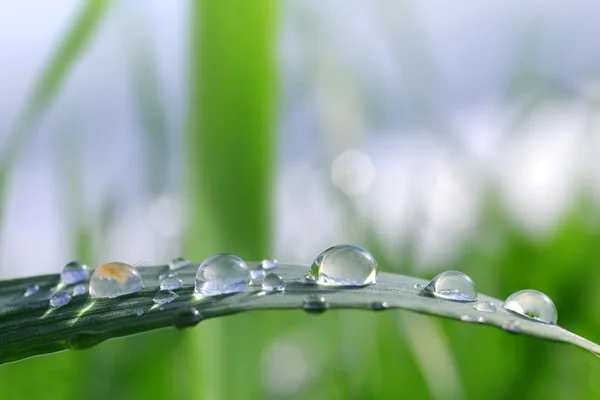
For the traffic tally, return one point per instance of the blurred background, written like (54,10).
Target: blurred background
(439,136)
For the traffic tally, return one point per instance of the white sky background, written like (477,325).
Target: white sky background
(356,75)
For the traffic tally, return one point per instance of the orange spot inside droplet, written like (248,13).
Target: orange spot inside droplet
(114,270)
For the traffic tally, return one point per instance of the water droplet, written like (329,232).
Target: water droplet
(115,279)
(346,265)
(315,304)
(79,290)
(31,290)
(178,263)
(511,325)
(188,318)
(164,297)
(419,286)
(532,304)
(60,299)
(452,285)
(380,306)
(162,276)
(172,274)
(273,283)
(222,274)
(256,274)
(171,284)
(139,312)
(269,263)
(485,306)
(74,272)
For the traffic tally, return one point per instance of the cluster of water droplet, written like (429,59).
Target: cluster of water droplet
(456,286)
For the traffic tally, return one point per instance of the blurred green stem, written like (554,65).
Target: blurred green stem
(231,146)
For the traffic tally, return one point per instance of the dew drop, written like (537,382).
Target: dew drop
(222,274)
(452,285)
(60,299)
(269,263)
(533,305)
(162,276)
(485,306)
(164,297)
(257,274)
(380,306)
(139,312)
(315,304)
(171,284)
(32,289)
(188,318)
(115,279)
(79,290)
(273,283)
(511,325)
(346,265)
(178,263)
(74,272)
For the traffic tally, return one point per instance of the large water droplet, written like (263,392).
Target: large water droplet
(188,318)
(532,304)
(115,279)
(60,299)
(452,285)
(164,297)
(269,263)
(79,290)
(31,290)
(171,283)
(315,304)
(346,265)
(273,283)
(178,263)
(74,272)
(222,274)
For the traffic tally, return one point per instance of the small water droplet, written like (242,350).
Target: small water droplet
(188,318)
(79,290)
(273,283)
(171,283)
(485,306)
(269,263)
(222,274)
(162,276)
(346,265)
(31,290)
(511,325)
(380,306)
(178,263)
(452,285)
(115,279)
(139,312)
(315,304)
(533,305)
(419,286)
(164,297)
(172,274)
(257,274)
(60,299)
(74,272)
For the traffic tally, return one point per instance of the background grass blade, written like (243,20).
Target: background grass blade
(231,158)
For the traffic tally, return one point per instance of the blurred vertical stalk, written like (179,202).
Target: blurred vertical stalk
(231,144)
(49,82)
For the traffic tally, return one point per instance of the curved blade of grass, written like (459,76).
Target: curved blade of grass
(29,327)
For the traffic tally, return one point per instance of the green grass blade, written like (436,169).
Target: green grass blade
(29,326)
